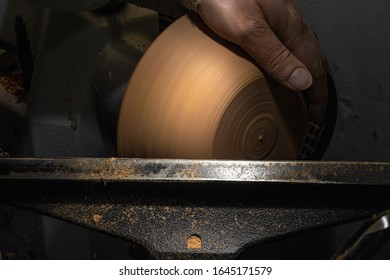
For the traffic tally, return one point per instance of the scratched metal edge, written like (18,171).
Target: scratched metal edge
(179,170)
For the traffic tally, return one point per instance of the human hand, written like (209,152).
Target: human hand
(274,33)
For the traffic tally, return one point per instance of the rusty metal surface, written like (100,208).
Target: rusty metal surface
(127,170)
(227,205)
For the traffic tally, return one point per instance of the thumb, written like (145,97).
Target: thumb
(273,57)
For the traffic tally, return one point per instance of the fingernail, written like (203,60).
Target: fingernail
(300,79)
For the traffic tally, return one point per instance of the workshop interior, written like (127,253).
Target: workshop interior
(132,131)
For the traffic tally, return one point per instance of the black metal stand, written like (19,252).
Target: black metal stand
(196,209)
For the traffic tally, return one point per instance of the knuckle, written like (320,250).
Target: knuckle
(244,29)
(276,62)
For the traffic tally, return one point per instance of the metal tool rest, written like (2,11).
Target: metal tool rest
(226,205)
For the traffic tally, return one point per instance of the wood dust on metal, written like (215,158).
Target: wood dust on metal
(196,96)
(12,83)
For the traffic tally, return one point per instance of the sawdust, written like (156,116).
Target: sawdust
(105,169)
(112,159)
(12,83)
(194,242)
(96,218)
(9,255)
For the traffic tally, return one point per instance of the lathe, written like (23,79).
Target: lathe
(143,124)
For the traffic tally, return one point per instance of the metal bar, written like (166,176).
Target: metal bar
(227,205)
(123,170)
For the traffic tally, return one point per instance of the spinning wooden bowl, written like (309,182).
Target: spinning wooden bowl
(196,96)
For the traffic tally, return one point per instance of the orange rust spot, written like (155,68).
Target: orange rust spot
(12,83)
(194,242)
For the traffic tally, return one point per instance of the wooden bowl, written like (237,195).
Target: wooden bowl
(196,96)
